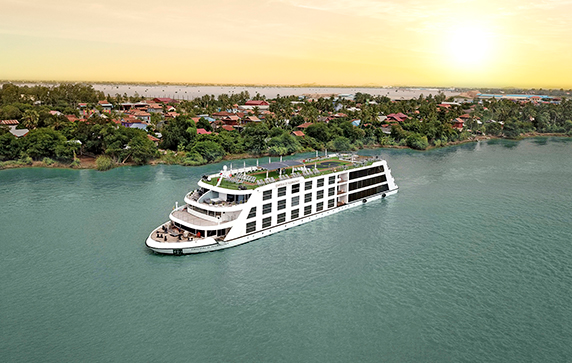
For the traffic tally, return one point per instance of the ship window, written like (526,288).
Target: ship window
(295,188)
(308,185)
(320,194)
(295,213)
(211,233)
(295,200)
(252,213)
(331,180)
(266,208)
(319,206)
(267,195)
(367,182)
(250,227)
(281,204)
(368,192)
(282,191)
(307,197)
(307,210)
(320,182)
(266,222)
(331,203)
(366,172)
(281,218)
(331,191)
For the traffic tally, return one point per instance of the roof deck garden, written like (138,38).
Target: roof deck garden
(280,171)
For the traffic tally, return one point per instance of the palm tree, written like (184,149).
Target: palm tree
(30,119)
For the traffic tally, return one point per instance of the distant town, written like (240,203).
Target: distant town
(75,125)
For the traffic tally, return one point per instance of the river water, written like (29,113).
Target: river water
(469,262)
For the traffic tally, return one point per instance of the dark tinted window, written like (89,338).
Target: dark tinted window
(250,227)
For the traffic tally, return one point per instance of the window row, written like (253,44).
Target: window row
(367,182)
(281,218)
(368,192)
(365,172)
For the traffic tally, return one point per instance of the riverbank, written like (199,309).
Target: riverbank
(88,162)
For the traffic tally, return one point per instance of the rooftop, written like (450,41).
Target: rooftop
(253,177)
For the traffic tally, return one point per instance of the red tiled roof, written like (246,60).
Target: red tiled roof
(298,133)
(152,138)
(304,125)
(256,103)
(9,122)
(227,127)
(203,132)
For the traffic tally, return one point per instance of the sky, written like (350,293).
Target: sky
(459,43)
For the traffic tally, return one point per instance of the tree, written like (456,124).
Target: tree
(178,133)
(41,143)
(30,119)
(417,141)
(209,150)
(142,149)
(255,135)
(340,143)
(204,124)
(318,131)
(9,146)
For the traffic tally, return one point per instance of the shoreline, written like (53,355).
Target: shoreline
(88,162)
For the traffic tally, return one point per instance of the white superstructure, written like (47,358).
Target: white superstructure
(238,206)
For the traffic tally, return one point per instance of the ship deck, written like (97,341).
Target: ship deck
(314,167)
(174,235)
(190,218)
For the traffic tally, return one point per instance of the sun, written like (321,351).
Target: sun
(469,46)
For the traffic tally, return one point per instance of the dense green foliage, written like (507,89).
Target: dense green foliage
(428,124)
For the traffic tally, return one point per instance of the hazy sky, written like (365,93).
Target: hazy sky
(330,42)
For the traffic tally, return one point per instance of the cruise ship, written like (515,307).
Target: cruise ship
(236,206)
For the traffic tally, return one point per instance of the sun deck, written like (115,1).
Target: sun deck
(278,171)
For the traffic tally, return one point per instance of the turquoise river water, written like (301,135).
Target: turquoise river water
(469,262)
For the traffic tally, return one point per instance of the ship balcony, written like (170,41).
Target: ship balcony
(214,200)
(194,217)
(341,191)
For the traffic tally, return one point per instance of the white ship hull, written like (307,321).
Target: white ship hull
(209,244)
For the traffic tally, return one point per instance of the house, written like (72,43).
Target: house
(203,132)
(12,124)
(105,105)
(141,115)
(250,119)
(304,125)
(250,105)
(232,120)
(227,127)
(256,103)
(221,114)
(164,100)
(154,139)
(72,118)
(154,108)
(298,133)
(356,122)
(458,123)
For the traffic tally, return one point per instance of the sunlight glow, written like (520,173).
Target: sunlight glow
(469,46)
